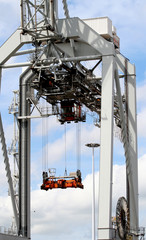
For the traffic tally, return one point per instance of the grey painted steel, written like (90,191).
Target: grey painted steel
(120,60)
(53,60)
(56,9)
(11,237)
(105,230)
(81,49)
(52,13)
(0,77)
(8,172)
(77,29)
(23,52)
(65,7)
(22,13)
(132,144)
(13,44)
(132,118)
(24,154)
(130,154)
(15,65)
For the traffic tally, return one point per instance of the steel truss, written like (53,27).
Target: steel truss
(56,72)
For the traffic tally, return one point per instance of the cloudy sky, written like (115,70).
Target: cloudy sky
(63,213)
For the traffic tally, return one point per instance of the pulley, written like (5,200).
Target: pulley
(122,218)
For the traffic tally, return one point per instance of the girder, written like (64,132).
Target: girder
(130,137)
(76,29)
(13,44)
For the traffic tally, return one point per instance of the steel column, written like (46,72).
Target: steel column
(106,151)
(131,145)
(132,124)
(24,155)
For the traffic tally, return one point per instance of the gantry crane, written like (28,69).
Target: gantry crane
(57,73)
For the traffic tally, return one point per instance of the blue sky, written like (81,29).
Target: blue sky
(71,209)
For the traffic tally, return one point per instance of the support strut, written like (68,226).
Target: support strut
(24,154)
(8,172)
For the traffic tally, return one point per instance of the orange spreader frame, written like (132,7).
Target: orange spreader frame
(51,183)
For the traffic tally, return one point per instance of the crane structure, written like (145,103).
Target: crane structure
(57,73)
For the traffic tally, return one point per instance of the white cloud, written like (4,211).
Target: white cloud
(142,190)
(6,212)
(63,213)
(141,123)
(142,176)
(141,90)
(47,126)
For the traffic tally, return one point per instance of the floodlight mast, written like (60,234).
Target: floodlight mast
(93,145)
(59,47)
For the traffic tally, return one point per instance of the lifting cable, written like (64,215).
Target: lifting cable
(65,172)
(43,164)
(78,132)
(45,141)
(78,145)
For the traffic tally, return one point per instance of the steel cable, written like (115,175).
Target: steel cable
(65,7)
(65,172)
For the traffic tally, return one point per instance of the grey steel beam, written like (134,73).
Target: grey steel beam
(10,46)
(8,172)
(53,60)
(130,147)
(80,49)
(120,60)
(132,143)
(76,28)
(105,230)
(132,127)
(13,44)
(24,154)
(0,77)
(15,65)
(23,52)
